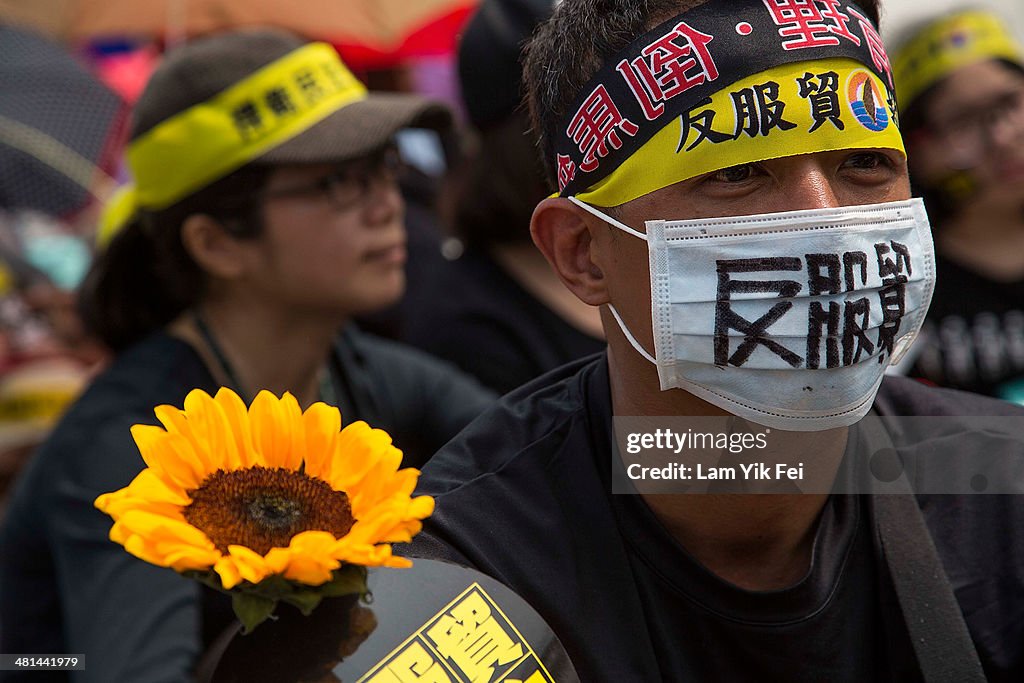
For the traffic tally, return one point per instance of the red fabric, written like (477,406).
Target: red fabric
(437,37)
(127,73)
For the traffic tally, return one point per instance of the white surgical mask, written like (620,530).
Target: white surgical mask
(787,319)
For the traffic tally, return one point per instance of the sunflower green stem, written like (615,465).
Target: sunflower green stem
(255,603)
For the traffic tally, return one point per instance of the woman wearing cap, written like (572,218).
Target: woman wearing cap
(264,215)
(960,81)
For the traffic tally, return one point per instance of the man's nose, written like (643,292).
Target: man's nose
(809,187)
(383,202)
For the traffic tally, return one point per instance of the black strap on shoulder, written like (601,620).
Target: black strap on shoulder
(935,623)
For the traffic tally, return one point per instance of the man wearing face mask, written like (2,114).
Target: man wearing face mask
(960,80)
(732,193)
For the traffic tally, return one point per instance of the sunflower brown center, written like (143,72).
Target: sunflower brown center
(262,508)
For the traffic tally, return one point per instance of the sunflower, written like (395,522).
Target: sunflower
(268,492)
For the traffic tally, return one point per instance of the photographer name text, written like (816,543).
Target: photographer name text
(749,471)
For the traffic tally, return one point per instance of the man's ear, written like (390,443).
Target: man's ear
(565,235)
(212,247)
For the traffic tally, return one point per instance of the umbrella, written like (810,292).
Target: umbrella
(398,29)
(365,30)
(60,127)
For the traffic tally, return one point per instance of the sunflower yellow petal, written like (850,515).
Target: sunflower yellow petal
(117,505)
(161,528)
(309,571)
(311,558)
(357,450)
(211,429)
(176,422)
(228,572)
(397,562)
(364,554)
(277,560)
(312,541)
(274,423)
(149,486)
(168,553)
(119,534)
(372,488)
(390,486)
(173,419)
(169,455)
(237,416)
(322,425)
(138,547)
(294,432)
(187,558)
(404,482)
(251,565)
(421,507)
(110,501)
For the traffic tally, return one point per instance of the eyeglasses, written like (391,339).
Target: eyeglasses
(968,136)
(350,183)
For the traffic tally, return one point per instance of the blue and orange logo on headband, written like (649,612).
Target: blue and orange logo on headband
(769,78)
(867,102)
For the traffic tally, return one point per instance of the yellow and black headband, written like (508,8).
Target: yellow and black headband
(214,138)
(947,45)
(715,88)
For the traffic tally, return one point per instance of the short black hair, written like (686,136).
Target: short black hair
(580,37)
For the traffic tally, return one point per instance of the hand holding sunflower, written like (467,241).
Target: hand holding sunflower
(269,503)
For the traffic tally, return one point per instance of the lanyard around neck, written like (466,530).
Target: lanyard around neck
(327,391)
(218,354)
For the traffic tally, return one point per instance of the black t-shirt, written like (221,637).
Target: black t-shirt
(828,627)
(973,338)
(473,314)
(523,494)
(66,588)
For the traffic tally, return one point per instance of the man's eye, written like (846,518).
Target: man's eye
(868,161)
(735,174)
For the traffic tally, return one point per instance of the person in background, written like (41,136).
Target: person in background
(46,358)
(498,311)
(732,193)
(264,215)
(960,83)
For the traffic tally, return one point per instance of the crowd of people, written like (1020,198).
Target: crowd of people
(621,231)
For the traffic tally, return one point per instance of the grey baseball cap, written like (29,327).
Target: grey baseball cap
(200,70)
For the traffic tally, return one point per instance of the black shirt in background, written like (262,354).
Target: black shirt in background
(472,313)
(524,495)
(66,588)
(973,338)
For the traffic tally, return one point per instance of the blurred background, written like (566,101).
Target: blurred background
(69,73)
(898,14)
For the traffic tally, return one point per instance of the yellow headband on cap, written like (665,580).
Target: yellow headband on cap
(799,108)
(214,138)
(947,45)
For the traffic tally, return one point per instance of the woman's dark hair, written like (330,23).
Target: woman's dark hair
(503,182)
(144,278)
